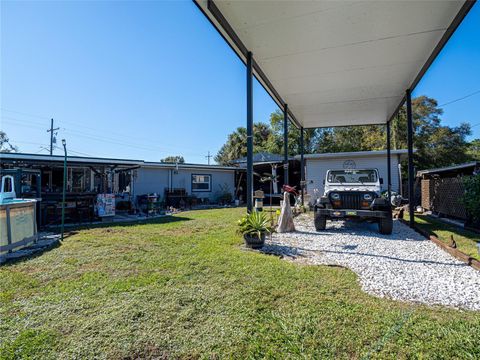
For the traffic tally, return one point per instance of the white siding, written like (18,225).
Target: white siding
(219,178)
(155,180)
(151,180)
(316,170)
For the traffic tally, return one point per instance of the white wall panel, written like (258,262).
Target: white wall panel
(316,170)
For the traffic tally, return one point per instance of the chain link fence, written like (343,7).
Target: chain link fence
(444,196)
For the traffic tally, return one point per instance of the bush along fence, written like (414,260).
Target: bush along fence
(471,200)
(457,197)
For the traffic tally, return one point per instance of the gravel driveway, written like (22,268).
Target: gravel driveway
(403,266)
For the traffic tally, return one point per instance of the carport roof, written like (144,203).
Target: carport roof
(337,63)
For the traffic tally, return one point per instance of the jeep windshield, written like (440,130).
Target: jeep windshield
(352,176)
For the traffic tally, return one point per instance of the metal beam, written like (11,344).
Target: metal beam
(389,165)
(249,132)
(285,144)
(302,164)
(411,195)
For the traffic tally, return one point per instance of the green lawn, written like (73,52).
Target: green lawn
(187,289)
(466,240)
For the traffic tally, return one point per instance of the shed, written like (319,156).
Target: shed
(470,168)
(442,189)
(316,166)
(268,163)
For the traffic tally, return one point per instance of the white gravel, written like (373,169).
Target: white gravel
(403,266)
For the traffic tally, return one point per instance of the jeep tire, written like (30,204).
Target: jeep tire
(385,225)
(320,221)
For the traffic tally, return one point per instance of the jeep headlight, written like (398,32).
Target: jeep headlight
(367,197)
(335,196)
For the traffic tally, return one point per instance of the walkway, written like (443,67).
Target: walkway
(403,266)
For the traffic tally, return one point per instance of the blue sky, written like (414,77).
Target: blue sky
(144,80)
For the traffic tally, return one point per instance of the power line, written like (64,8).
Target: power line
(26,114)
(23,120)
(76,133)
(42,148)
(76,124)
(115,141)
(462,98)
(74,151)
(45,147)
(25,125)
(31,143)
(115,138)
(77,152)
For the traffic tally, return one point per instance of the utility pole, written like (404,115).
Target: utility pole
(51,136)
(208,157)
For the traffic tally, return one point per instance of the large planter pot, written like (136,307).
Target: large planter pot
(253,241)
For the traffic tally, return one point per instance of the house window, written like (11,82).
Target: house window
(201,182)
(79,180)
(7,184)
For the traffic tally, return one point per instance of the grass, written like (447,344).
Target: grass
(187,289)
(466,240)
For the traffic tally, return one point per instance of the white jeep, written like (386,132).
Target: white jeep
(353,194)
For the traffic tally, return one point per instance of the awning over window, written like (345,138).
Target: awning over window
(337,63)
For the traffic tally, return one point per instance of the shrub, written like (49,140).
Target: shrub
(471,199)
(254,223)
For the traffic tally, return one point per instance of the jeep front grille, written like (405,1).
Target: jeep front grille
(350,201)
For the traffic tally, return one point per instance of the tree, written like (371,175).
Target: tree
(236,145)
(174,159)
(436,145)
(274,143)
(5,145)
(474,149)
(353,138)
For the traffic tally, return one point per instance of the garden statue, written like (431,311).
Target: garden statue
(285,222)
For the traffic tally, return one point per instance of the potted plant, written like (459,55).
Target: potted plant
(254,227)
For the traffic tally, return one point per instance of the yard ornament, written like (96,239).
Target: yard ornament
(285,223)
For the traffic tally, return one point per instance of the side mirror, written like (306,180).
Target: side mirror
(323,181)
(381,180)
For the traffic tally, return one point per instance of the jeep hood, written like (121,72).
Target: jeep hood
(337,187)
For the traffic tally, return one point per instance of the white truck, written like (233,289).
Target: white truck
(351,194)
